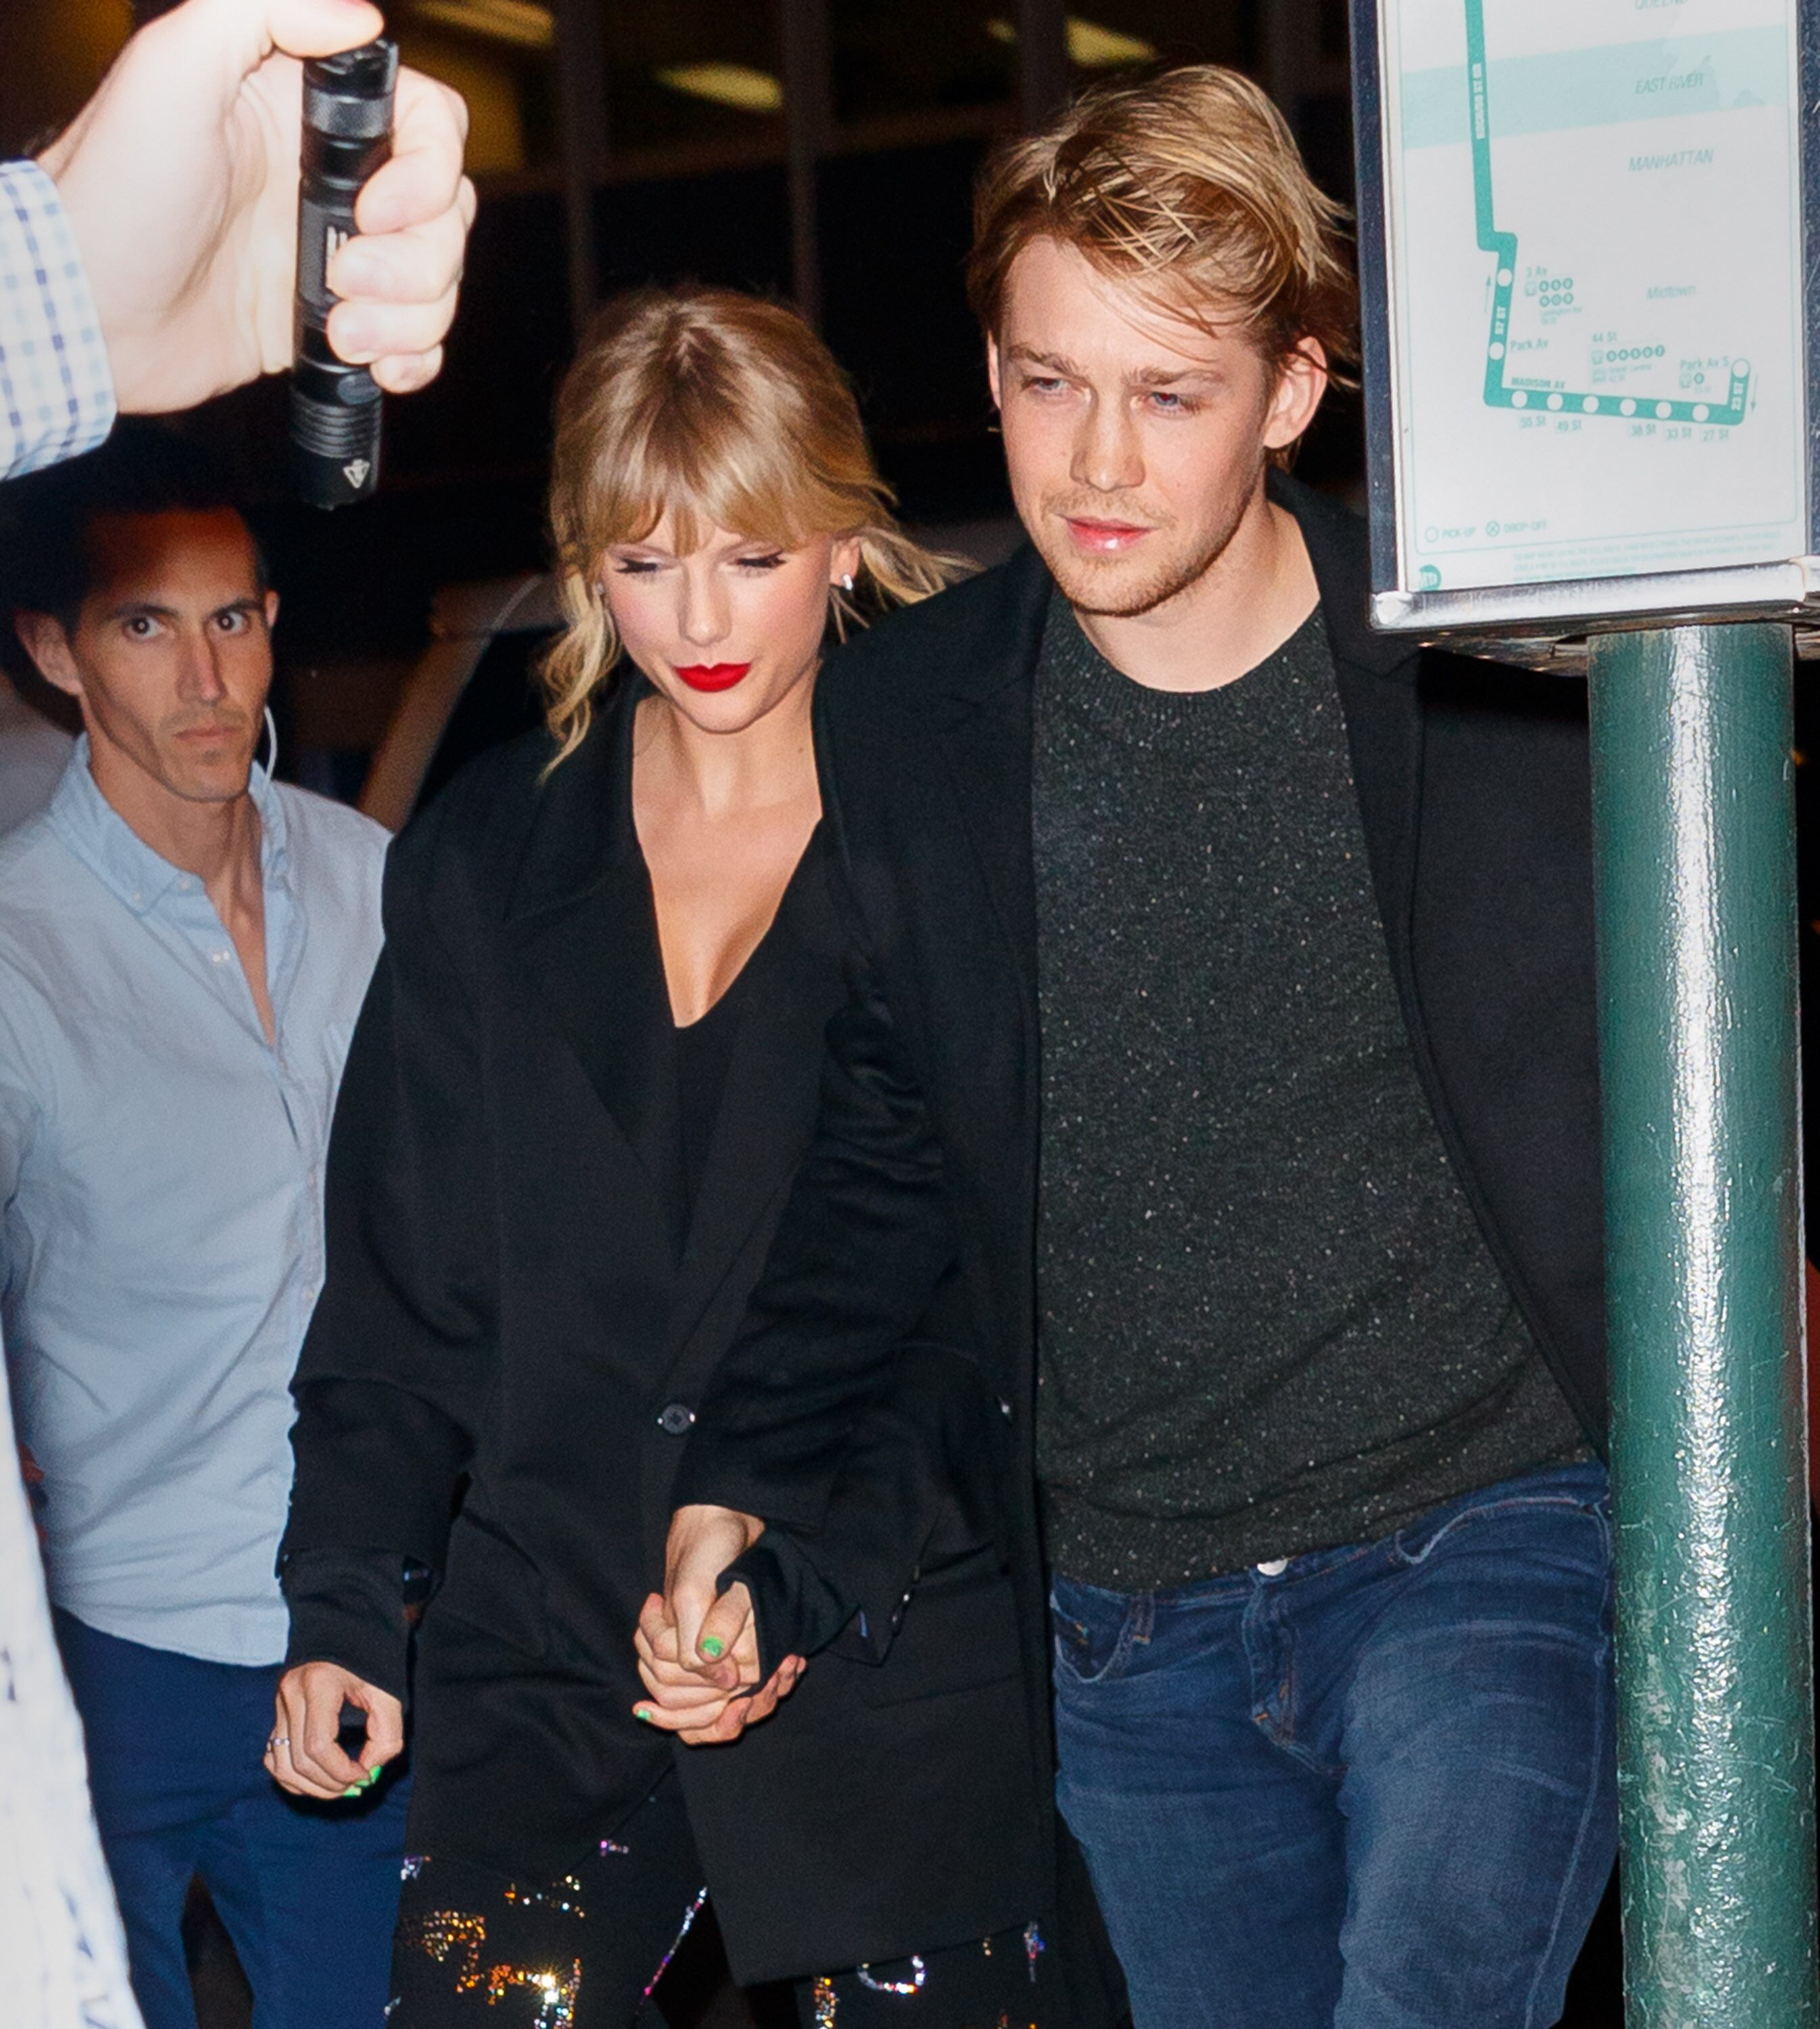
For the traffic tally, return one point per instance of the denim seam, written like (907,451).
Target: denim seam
(1590,1508)
(1296,1752)
(1285,1742)
(1140,1611)
(1602,1660)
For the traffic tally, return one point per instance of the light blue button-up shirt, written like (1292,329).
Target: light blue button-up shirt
(160,1199)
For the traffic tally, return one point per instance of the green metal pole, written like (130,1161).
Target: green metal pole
(1694,820)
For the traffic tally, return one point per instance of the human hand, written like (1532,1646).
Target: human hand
(302,1755)
(700,1714)
(716,1638)
(179,177)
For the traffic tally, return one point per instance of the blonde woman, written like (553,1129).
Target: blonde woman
(583,1078)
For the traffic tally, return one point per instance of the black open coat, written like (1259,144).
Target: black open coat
(1474,788)
(518,1305)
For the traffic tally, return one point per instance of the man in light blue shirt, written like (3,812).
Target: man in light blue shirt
(184,945)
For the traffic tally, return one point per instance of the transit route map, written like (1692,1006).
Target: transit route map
(1592,224)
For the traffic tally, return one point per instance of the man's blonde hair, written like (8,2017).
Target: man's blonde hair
(1190,186)
(724,411)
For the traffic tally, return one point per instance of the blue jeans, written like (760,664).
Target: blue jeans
(308,1891)
(1373,1788)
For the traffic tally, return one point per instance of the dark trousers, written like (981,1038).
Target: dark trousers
(308,1892)
(1371,1788)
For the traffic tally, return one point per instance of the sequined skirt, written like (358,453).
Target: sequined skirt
(1003,1981)
(475,1945)
(477,1949)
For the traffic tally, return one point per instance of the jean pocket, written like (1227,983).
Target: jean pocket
(1094,1633)
(1551,1517)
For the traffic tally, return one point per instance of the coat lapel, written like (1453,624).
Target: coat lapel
(585,926)
(987,743)
(988,758)
(1377,675)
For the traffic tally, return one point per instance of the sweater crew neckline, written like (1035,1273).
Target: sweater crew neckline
(1093,684)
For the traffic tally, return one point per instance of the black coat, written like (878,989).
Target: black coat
(517,1303)
(1474,788)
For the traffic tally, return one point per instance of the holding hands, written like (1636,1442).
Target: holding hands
(698,1654)
(698,1647)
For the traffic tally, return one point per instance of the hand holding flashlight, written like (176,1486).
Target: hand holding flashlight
(180,180)
(335,407)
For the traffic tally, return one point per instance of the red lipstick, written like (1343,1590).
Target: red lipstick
(713,676)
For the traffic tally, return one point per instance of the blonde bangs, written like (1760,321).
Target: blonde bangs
(707,465)
(719,411)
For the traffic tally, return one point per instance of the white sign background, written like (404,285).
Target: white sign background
(1593,228)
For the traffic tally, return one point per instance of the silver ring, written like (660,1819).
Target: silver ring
(278,1740)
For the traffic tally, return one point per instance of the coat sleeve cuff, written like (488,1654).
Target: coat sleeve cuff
(347,1607)
(797,1606)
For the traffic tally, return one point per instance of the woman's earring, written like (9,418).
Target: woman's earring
(846,582)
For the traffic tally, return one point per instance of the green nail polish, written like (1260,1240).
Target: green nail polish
(374,1776)
(642,1713)
(354,1789)
(712,1647)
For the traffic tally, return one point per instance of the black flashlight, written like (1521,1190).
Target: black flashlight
(334,408)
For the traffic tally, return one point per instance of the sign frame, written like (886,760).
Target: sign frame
(1545,623)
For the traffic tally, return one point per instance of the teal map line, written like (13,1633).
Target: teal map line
(1503,246)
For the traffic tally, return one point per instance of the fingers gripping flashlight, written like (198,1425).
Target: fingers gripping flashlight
(334,408)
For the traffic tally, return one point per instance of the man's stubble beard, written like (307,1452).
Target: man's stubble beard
(224,781)
(1096,589)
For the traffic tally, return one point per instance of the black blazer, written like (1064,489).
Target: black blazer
(518,1305)
(1472,784)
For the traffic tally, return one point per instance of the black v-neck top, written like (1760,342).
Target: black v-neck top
(703,1049)
(704,1053)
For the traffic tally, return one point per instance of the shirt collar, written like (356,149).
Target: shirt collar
(99,836)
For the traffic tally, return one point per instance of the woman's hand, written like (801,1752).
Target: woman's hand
(707,1703)
(711,1625)
(303,1754)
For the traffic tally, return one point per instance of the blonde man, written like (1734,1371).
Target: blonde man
(1228,1035)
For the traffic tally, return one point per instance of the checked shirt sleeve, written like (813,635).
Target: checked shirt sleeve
(56,391)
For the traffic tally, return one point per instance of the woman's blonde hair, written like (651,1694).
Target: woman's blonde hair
(724,411)
(1190,186)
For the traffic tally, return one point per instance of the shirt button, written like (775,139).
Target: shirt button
(675,1418)
(220,958)
(1274,1569)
